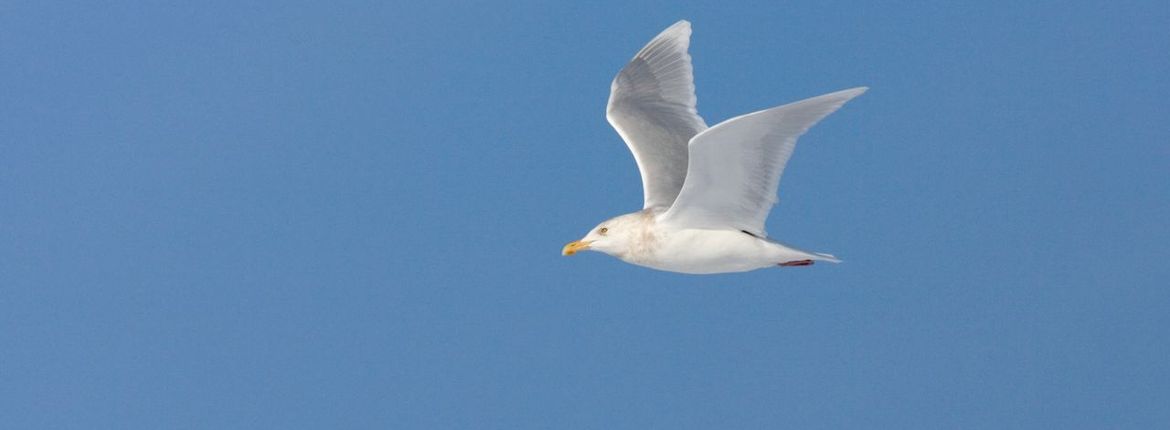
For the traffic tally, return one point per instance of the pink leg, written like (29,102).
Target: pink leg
(797,263)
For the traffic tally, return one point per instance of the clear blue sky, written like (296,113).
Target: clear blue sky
(349,215)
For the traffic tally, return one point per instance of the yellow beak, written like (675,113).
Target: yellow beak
(575,246)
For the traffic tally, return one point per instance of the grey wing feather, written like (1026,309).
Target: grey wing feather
(735,167)
(652,106)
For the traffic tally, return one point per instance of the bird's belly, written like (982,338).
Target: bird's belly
(709,251)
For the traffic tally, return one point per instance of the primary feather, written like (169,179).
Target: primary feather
(735,166)
(652,106)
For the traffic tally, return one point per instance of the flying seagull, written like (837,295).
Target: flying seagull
(707,190)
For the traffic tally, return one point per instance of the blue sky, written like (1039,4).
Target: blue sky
(349,214)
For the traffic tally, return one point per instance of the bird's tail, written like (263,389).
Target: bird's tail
(790,253)
(825,257)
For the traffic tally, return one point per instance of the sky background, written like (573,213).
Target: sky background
(350,215)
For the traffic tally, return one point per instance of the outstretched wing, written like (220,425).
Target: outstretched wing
(735,166)
(652,106)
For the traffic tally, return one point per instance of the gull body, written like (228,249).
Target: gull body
(638,238)
(708,190)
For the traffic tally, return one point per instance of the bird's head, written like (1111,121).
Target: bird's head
(613,236)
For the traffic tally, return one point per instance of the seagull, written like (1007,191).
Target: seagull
(707,190)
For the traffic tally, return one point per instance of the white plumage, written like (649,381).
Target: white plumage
(707,191)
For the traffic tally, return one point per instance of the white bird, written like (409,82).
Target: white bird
(707,191)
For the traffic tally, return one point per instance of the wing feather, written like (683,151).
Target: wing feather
(735,167)
(652,106)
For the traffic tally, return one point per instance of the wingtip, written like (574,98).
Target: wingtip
(851,93)
(681,27)
(837,98)
(675,38)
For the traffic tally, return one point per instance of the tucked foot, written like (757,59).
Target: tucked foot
(797,263)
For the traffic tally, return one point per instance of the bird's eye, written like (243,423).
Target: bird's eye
(603,230)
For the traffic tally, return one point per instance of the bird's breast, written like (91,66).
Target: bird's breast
(703,251)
